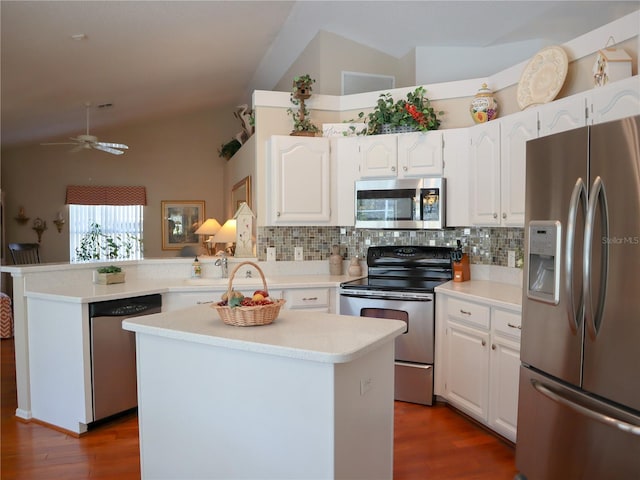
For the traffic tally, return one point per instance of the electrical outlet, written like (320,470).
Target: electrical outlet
(511,259)
(298,255)
(365,385)
(271,254)
(432,243)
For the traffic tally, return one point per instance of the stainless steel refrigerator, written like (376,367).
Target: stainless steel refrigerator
(579,398)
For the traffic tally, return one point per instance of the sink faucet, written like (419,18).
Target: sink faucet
(222,262)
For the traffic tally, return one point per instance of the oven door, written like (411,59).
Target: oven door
(416,345)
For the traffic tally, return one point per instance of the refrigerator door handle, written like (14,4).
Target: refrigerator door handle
(578,199)
(598,197)
(607,418)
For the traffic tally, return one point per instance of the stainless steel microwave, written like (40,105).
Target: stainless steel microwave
(401,204)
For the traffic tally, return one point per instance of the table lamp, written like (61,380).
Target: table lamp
(227,236)
(209,227)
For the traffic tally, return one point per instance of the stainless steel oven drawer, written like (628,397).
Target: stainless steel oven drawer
(414,383)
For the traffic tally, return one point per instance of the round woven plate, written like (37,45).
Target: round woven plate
(543,77)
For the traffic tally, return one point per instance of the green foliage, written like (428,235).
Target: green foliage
(96,245)
(228,150)
(109,269)
(302,88)
(414,111)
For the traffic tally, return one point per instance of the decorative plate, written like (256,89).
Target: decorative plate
(543,77)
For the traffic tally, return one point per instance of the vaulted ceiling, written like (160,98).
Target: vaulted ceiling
(151,58)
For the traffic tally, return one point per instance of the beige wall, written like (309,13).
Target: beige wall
(328,54)
(175,158)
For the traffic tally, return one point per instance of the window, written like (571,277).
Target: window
(105,223)
(105,232)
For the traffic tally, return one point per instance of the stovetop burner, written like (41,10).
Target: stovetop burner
(405,268)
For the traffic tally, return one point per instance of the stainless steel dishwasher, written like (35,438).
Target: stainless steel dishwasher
(113,353)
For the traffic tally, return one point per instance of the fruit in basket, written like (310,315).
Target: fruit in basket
(264,293)
(257,297)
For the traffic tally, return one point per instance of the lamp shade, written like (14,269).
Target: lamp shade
(209,227)
(227,232)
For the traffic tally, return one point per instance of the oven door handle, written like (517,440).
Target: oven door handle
(388,297)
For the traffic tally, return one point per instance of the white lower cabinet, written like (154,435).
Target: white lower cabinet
(310,299)
(478,361)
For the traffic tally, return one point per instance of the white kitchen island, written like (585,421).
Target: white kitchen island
(308,397)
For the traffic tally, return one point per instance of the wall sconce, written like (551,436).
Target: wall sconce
(209,227)
(21,218)
(39,226)
(59,221)
(227,235)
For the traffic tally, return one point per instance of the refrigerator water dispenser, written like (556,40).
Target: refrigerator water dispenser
(543,282)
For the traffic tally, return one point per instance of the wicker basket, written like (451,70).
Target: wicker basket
(248,316)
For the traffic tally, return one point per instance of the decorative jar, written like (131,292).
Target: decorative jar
(484,106)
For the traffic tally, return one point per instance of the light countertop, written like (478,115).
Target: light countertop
(304,335)
(500,294)
(86,291)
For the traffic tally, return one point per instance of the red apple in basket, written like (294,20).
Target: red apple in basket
(264,293)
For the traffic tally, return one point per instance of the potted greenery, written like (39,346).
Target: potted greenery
(108,275)
(228,150)
(413,113)
(302,124)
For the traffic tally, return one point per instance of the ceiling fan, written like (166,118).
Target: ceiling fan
(87,142)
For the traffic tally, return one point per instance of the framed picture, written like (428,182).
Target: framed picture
(180,220)
(241,192)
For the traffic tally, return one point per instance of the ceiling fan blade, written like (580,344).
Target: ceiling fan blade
(98,146)
(113,145)
(59,143)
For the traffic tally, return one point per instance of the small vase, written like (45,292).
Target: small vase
(335,261)
(484,106)
(355,270)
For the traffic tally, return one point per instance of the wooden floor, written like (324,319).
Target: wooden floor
(433,443)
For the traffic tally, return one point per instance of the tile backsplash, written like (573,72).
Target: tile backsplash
(485,246)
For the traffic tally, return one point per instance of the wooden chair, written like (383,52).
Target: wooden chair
(24,253)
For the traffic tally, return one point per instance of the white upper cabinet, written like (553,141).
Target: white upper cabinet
(300,181)
(345,151)
(515,130)
(456,174)
(420,154)
(484,171)
(562,115)
(378,156)
(616,100)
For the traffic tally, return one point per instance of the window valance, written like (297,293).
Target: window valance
(105,195)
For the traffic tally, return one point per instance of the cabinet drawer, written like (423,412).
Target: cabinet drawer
(308,297)
(507,322)
(468,312)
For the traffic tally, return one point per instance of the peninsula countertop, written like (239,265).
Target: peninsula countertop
(303,335)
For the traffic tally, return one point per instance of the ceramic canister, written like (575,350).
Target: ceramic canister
(483,106)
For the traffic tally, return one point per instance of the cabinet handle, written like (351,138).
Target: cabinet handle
(519,327)
(393,169)
(484,342)
(464,312)
(495,215)
(405,168)
(305,299)
(277,214)
(504,215)
(493,346)
(202,303)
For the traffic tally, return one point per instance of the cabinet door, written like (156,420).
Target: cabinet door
(419,154)
(455,156)
(617,100)
(345,151)
(378,156)
(562,115)
(515,130)
(485,174)
(467,379)
(503,393)
(300,179)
